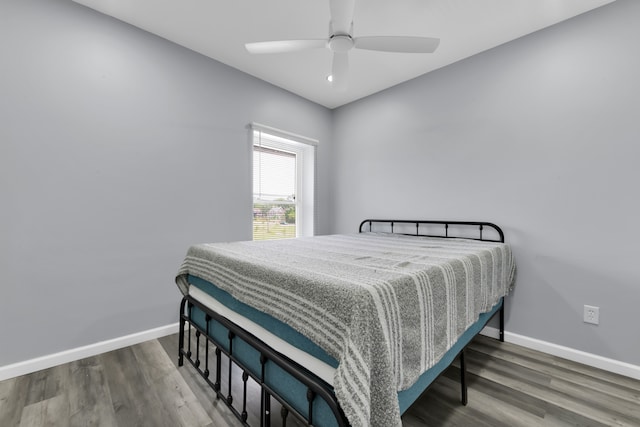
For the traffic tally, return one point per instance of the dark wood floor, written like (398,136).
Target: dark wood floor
(141,386)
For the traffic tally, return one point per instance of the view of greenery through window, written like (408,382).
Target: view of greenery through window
(274,187)
(274,220)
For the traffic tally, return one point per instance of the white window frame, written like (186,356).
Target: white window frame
(305,150)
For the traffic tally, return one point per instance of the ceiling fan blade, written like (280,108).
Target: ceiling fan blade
(340,71)
(282,46)
(341,15)
(398,44)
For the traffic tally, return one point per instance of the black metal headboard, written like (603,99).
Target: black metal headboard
(448,229)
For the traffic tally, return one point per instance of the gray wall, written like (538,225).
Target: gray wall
(117,151)
(541,136)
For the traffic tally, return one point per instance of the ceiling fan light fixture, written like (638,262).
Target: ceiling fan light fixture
(340,43)
(330,78)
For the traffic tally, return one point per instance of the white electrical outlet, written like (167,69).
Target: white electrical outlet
(591,314)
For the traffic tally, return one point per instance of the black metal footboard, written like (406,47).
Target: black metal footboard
(209,363)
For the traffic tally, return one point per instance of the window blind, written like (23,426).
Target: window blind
(274,174)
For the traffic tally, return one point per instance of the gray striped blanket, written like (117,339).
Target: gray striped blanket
(386,307)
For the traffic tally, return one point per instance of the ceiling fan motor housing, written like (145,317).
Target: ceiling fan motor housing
(340,43)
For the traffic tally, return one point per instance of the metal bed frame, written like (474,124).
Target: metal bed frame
(315,388)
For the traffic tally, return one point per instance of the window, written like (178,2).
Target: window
(283,184)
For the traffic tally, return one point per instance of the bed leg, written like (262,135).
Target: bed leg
(502,322)
(181,334)
(463,378)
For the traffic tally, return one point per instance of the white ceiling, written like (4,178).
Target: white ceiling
(219,29)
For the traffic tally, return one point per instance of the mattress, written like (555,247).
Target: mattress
(292,348)
(383,308)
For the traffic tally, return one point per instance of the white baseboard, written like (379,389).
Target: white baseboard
(574,355)
(44,362)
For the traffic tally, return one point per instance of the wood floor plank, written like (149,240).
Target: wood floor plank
(506,395)
(440,407)
(558,417)
(133,399)
(177,397)
(588,377)
(8,405)
(626,412)
(89,396)
(500,412)
(36,388)
(169,386)
(46,384)
(57,381)
(53,412)
(516,373)
(499,349)
(153,362)
(496,371)
(13,395)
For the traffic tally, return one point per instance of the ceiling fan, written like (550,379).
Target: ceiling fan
(341,41)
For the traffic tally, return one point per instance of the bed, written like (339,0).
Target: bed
(343,329)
